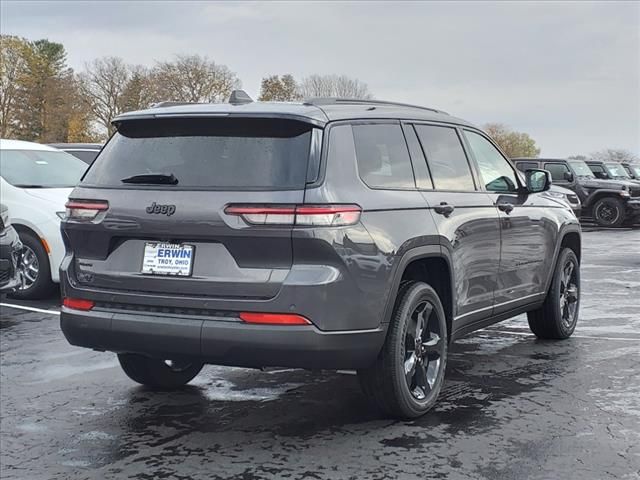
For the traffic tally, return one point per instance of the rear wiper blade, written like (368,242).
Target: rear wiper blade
(27,185)
(152,179)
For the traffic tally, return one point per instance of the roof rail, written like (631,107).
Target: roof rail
(319,101)
(171,104)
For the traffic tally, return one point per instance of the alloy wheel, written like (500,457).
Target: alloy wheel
(29,267)
(424,350)
(569,294)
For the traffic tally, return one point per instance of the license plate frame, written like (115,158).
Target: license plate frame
(150,265)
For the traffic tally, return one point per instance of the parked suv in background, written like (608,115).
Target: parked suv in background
(87,152)
(632,169)
(609,171)
(609,202)
(329,234)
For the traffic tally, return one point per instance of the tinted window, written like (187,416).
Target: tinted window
(596,168)
(382,156)
(87,156)
(557,171)
(40,168)
(524,166)
(446,158)
(208,153)
(496,173)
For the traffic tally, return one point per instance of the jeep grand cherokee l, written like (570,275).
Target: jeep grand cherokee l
(329,234)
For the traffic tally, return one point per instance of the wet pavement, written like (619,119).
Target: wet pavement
(513,407)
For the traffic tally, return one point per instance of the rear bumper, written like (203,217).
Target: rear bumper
(223,341)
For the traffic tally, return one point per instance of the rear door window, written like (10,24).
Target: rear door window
(446,158)
(222,154)
(558,171)
(382,156)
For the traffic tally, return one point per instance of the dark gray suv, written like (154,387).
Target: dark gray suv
(329,234)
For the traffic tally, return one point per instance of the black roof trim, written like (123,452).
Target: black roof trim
(318,101)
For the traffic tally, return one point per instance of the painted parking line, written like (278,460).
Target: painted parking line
(30,309)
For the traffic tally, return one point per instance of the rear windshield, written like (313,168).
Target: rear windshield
(251,154)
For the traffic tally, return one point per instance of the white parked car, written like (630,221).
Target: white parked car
(35,182)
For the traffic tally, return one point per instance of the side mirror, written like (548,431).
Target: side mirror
(568,176)
(538,180)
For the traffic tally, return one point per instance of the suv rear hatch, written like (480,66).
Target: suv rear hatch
(152,214)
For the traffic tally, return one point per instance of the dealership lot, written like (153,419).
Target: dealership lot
(513,407)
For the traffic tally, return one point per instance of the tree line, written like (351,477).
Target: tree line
(43,100)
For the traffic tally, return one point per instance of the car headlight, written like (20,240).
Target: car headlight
(558,195)
(625,193)
(61,215)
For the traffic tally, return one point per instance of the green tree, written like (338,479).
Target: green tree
(277,88)
(43,90)
(12,66)
(513,144)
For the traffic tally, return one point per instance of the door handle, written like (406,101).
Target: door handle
(444,209)
(505,207)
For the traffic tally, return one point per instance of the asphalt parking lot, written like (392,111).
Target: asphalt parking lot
(513,407)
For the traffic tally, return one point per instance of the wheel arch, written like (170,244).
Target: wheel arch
(570,236)
(429,264)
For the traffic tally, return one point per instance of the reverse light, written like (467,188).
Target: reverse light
(274,318)
(78,303)
(299,215)
(84,210)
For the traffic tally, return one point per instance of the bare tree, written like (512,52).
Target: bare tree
(192,78)
(333,86)
(614,155)
(103,84)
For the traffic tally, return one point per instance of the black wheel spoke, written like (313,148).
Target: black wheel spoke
(422,387)
(432,346)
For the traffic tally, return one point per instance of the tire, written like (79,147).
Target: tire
(558,315)
(412,394)
(157,373)
(37,284)
(609,212)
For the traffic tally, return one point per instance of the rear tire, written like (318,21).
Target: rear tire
(407,376)
(557,317)
(36,270)
(157,373)
(609,212)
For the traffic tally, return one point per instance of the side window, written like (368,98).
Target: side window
(382,156)
(446,158)
(495,172)
(524,166)
(558,171)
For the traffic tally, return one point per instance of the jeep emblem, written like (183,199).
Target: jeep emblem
(167,210)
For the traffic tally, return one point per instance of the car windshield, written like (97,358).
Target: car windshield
(40,168)
(616,170)
(581,169)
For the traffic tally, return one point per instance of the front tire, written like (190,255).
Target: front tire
(408,374)
(557,317)
(35,269)
(609,212)
(157,373)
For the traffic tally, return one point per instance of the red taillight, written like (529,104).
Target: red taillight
(274,318)
(85,209)
(78,303)
(301,215)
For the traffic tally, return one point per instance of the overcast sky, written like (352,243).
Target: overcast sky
(566,73)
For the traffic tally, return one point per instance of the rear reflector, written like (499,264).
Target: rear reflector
(78,303)
(299,215)
(85,209)
(274,318)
